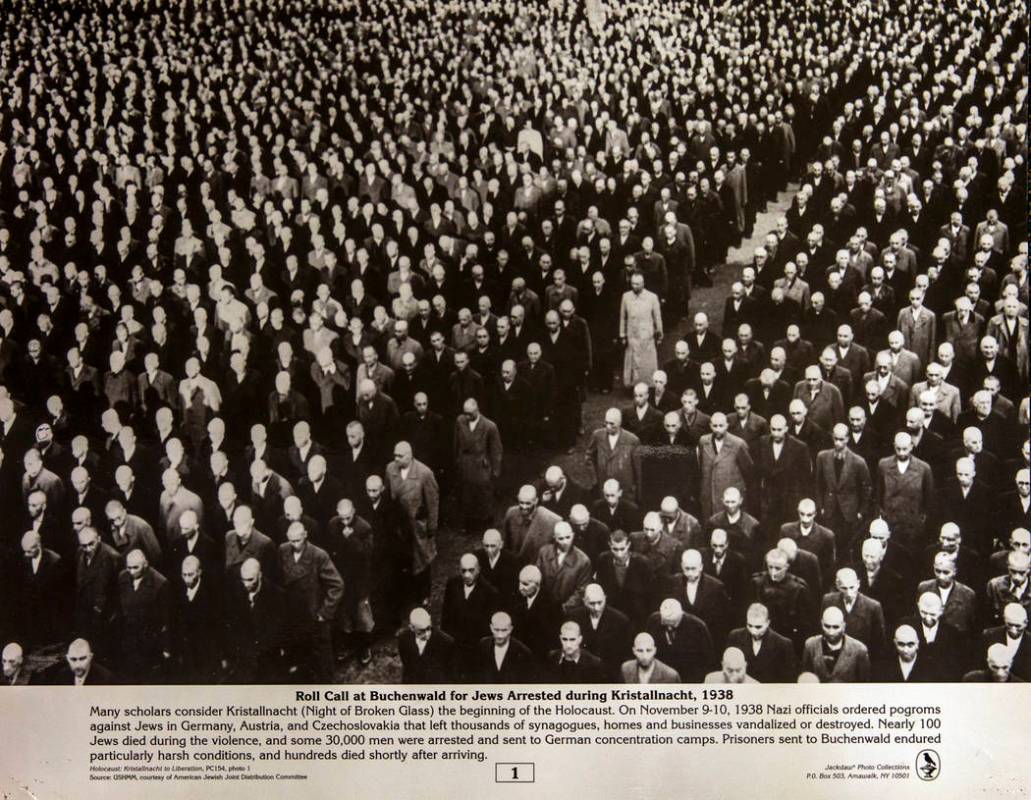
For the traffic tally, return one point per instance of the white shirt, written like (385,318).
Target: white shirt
(473,423)
(778,447)
(468,590)
(692,591)
(930,634)
(756,646)
(192,591)
(1012,645)
(906,667)
(902,466)
(36,562)
(420,645)
(404,473)
(944,594)
(613,440)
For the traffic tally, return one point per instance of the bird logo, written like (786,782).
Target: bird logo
(928,765)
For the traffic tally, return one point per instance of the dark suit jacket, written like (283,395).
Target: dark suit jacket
(611,641)
(504,575)
(196,631)
(734,575)
(774,663)
(518,667)
(634,597)
(848,495)
(434,665)
(537,626)
(783,482)
(587,669)
(145,622)
(888,670)
(468,620)
(256,635)
(819,542)
(691,653)
(711,606)
(864,622)
(948,654)
(98,675)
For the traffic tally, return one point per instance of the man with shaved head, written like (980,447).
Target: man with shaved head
(733,669)
(942,645)
(45,589)
(469,602)
(414,487)
(644,667)
(97,566)
(606,631)
(905,491)
(197,624)
(565,568)
(498,566)
(998,667)
(426,652)
(610,453)
(559,493)
(256,614)
(724,462)
(864,616)
(535,614)
(783,472)
(786,597)
(145,605)
(527,526)
(1012,635)
(682,640)
(13,662)
(80,668)
(905,663)
(834,656)
(500,657)
(844,491)
(571,662)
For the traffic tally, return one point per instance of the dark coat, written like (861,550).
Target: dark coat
(774,663)
(434,665)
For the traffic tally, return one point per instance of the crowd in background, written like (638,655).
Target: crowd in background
(294,294)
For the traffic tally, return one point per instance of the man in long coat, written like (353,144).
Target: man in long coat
(611,452)
(415,489)
(478,456)
(724,461)
(640,329)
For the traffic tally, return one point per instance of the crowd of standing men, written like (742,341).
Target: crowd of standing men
(287,288)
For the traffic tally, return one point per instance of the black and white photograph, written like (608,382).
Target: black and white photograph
(534,342)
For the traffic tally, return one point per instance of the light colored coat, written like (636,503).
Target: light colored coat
(719,472)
